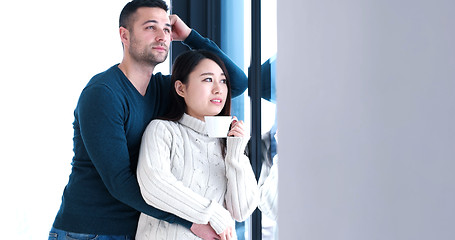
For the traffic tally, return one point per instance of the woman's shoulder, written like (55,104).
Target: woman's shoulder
(159,126)
(162,123)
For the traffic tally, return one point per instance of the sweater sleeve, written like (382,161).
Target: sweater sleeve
(239,80)
(103,133)
(268,188)
(160,188)
(242,195)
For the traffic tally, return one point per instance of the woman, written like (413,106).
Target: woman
(183,171)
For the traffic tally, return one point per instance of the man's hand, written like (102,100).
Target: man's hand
(204,231)
(228,234)
(180,30)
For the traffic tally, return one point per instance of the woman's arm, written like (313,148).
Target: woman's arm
(242,196)
(161,189)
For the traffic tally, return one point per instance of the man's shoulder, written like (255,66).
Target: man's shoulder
(110,80)
(110,76)
(161,79)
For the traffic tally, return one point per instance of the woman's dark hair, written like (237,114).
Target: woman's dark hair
(131,7)
(181,69)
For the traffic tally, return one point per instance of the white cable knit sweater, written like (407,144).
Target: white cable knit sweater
(181,170)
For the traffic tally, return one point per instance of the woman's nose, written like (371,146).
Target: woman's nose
(216,88)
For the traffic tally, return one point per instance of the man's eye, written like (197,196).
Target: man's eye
(167,30)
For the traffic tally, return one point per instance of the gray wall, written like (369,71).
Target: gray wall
(366,115)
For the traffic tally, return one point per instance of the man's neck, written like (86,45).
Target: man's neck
(138,74)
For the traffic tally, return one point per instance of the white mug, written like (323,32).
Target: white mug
(218,126)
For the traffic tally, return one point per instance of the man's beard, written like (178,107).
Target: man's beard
(145,55)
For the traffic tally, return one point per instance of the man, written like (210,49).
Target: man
(102,196)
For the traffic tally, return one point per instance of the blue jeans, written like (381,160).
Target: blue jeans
(57,234)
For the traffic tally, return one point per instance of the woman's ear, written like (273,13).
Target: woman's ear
(180,88)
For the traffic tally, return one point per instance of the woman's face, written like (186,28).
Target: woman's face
(206,90)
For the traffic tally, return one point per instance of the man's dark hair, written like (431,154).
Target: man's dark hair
(126,16)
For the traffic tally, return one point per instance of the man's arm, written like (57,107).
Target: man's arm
(192,39)
(101,123)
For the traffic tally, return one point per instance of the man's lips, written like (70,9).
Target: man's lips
(160,48)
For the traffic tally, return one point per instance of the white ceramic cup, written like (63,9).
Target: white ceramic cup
(218,126)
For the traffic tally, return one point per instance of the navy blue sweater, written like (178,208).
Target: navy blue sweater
(102,195)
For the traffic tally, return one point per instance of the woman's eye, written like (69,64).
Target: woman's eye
(207,80)
(223,81)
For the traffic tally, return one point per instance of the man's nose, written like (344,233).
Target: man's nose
(160,35)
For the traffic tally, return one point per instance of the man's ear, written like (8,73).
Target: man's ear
(180,88)
(124,36)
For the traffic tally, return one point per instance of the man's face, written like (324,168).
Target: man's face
(150,36)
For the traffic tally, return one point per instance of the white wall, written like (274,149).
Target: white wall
(366,111)
(50,50)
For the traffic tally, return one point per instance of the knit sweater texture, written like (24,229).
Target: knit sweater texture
(102,195)
(182,171)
